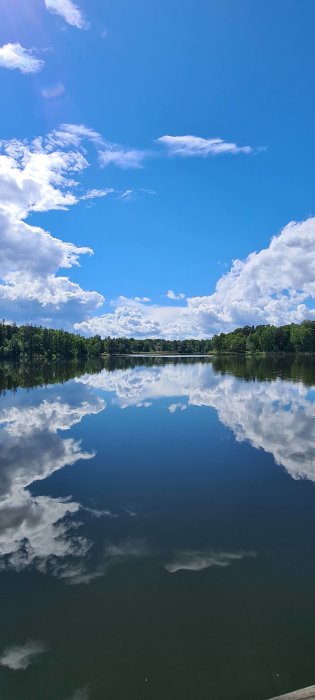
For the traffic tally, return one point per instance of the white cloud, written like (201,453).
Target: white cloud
(71,135)
(195,146)
(18,658)
(53,91)
(69,11)
(113,154)
(96,194)
(175,297)
(38,177)
(127,320)
(173,407)
(132,194)
(270,286)
(193,560)
(15,56)
(127,195)
(130,301)
(275,285)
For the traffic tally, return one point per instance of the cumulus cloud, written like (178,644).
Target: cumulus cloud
(275,285)
(127,320)
(37,177)
(15,56)
(173,407)
(69,11)
(194,146)
(175,297)
(18,658)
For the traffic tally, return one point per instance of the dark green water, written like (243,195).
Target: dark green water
(157,530)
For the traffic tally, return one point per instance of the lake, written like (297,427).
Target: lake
(157,529)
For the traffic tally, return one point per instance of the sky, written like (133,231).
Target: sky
(157,165)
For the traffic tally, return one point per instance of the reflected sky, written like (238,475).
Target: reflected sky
(277,416)
(142,509)
(32,448)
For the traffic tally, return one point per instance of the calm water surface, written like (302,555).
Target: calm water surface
(157,530)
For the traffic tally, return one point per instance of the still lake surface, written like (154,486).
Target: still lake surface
(157,529)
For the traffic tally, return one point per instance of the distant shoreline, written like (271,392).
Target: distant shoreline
(222,353)
(160,354)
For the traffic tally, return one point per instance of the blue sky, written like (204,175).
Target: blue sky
(174,213)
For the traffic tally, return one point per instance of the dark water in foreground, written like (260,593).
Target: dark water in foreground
(157,530)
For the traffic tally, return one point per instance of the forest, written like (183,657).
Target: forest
(256,339)
(27,341)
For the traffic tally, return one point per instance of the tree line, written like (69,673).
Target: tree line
(255,339)
(25,342)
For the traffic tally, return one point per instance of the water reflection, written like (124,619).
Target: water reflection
(18,658)
(197,561)
(185,544)
(275,415)
(39,530)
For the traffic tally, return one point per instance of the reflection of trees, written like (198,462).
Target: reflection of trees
(294,367)
(26,375)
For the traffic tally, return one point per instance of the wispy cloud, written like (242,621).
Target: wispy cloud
(127,195)
(18,658)
(69,11)
(123,157)
(194,146)
(15,56)
(96,194)
(134,193)
(192,560)
(53,91)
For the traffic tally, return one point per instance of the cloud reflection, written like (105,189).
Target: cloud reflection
(276,416)
(39,531)
(193,560)
(18,658)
